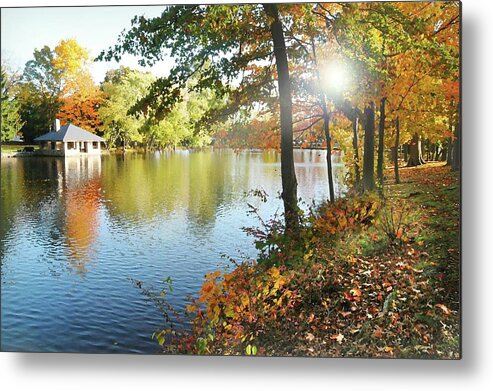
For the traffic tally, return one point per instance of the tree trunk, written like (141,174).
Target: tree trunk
(381,142)
(456,157)
(444,152)
(323,106)
(415,153)
(369,148)
(450,150)
(329,151)
(356,153)
(405,149)
(288,176)
(434,152)
(396,148)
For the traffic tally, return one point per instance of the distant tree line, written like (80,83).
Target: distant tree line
(57,84)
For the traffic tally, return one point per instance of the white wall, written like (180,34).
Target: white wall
(80,145)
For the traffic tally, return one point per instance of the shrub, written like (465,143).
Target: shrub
(345,215)
(235,309)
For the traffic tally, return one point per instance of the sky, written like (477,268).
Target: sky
(94,28)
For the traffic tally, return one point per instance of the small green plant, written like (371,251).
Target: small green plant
(394,222)
(251,350)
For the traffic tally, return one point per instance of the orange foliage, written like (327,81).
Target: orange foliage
(82,110)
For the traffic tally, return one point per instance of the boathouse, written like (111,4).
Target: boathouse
(69,140)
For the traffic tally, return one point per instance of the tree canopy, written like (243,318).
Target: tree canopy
(11,120)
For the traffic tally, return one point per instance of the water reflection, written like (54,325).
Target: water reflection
(157,186)
(81,193)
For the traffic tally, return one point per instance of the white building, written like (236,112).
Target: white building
(69,140)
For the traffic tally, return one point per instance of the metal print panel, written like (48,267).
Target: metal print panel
(245,179)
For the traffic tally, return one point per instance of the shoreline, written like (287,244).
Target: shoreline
(36,153)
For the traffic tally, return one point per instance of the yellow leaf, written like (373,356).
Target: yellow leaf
(191,308)
(213,275)
(274,272)
(245,300)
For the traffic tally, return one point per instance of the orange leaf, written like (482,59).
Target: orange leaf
(355,292)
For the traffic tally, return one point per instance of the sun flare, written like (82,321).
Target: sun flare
(336,77)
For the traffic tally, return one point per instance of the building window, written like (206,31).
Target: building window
(70,145)
(95,145)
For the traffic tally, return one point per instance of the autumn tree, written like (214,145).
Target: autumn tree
(425,84)
(402,63)
(305,34)
(80,96)
(82,109)
(57,84)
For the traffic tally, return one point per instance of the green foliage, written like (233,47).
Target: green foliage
(219,46)
(40,94)
(34,111)
(122,89)
(11,121)
(182,125)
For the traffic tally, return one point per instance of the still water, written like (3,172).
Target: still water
(75,232)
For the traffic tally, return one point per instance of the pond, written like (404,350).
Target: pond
(76,233)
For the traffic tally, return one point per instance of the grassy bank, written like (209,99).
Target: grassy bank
(367,277)
(7,148)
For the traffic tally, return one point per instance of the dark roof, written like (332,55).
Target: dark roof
(69,133)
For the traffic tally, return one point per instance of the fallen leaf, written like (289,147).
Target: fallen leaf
(310,337)
(355,292)
(445,310)
(338,337)
(348,296)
